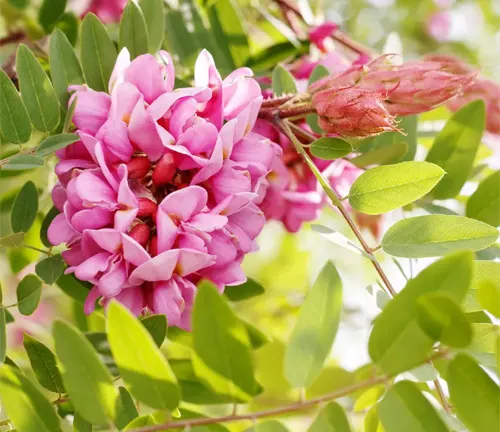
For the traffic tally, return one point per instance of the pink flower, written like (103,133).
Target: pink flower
(351,111)
(438,26)
(318,34)
(162,190)
(108,11)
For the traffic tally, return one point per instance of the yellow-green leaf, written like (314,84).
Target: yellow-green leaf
(484,203)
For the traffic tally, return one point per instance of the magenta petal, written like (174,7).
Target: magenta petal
(223,247)
(167,231)
(125,195)
(92,219)
(91,110)
(121,64)
(190,261)
(114,137)
(60,231)
(232,274)
(161,105)
(59,197)
(108,239)
(167,299)
(200,138)
(250,219)
(208,222)
(144,134)
(169,70)
(133,252)
(147,75)
(92,297)
(112,282)
(212,167)
(132,298)
(88,269)
(92,188)
(123,100)
(185,203)
(159,268)
(229,181)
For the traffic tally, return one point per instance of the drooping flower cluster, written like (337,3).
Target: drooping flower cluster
(164,185)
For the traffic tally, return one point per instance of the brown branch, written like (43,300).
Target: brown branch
(12,38)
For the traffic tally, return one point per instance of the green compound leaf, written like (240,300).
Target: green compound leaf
(436,235)
(50,269)
(98,53)
(314,333)
(331,418)
(25,208)
(330,148)
(455,148)
(56,142)
(28,294)
(283,81)
(37,92)
(474,394)
(154,15)
(15,124)
(385,188)
(484,203)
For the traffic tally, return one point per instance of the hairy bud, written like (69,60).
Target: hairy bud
(140,233)
(351,111)
(147,208)
(138,167)
(165,170)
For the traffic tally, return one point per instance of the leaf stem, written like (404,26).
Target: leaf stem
(330,192)
(36,249)
(5,161)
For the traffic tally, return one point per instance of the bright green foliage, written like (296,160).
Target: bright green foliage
(142,366)
(50,269)
(133,31)
(222,356)
(154,15)
(317,324)
(50,12)
(81,425)
(455,148)
(442,319)
(331,418)
(56,142)
(488,295)
(387,188)
(267,426)
(37,92)
(484,203)
(25,208)
(405,408)
(330,148)
(3,335)
(98,53)
(381,155)
(64,66)
(436,235)
(474,394)
(28,294)
(283,81)
(43,363)
(86,379)
(244,291)
(26,406)
(15,124)
(397,342)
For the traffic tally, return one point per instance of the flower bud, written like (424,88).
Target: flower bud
(140,233)
(138,167)
(153,246)
(147,208)
(354,112)
(165,170)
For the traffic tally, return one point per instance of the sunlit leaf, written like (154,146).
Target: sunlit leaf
(404,408)
(43,363)
(488,295)
(37,92)
(133,31)
(98,53)
(15,125)
(331,418)
(474,394)
(143,367)
(436,235)
(267,426)
(397,342)
(484,203)
(314,333)
(385,188)
(28,294)
(86,379)
(64,66)
(27,407)
(25,208)
(455,148)
(222,348)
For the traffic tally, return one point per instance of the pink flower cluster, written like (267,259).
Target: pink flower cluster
(164,185)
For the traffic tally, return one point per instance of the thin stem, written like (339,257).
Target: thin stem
(330,192)
(292,408)
(36,249)
(29,151)
(353,45)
